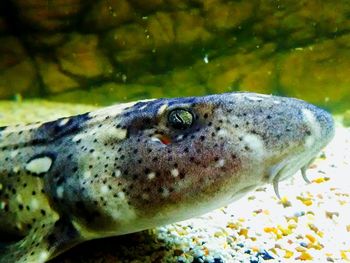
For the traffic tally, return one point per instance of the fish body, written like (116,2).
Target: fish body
(138,165)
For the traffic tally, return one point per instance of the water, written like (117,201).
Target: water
(102,52)
(95,53)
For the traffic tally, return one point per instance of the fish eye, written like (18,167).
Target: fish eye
(180,119)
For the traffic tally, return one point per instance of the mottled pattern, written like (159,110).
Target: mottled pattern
(131,167)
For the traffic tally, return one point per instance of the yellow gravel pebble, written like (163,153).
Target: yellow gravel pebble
(305,256)
(288,253)
(321,180)
(311,238)
(343,254)
(305,200)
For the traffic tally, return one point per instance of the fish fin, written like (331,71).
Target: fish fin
(44,241)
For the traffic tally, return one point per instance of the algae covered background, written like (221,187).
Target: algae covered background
(106,51)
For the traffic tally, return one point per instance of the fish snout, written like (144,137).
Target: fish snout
(318,127)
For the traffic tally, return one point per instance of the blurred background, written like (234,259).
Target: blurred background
(106,51)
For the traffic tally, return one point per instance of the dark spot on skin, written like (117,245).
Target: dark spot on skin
(60,181)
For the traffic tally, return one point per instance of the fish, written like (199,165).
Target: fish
(143,164)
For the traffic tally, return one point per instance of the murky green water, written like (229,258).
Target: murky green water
(102,52)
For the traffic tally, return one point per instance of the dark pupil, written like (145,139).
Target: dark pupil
(180,119)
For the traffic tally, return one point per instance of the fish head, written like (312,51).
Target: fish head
(165,160)
(195,154)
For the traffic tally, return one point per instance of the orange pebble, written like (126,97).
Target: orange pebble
(243,232)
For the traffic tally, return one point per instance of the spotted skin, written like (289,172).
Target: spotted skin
(127,168)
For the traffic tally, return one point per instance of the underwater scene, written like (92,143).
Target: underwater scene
(177,131)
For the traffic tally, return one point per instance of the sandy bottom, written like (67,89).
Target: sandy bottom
(310,223)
